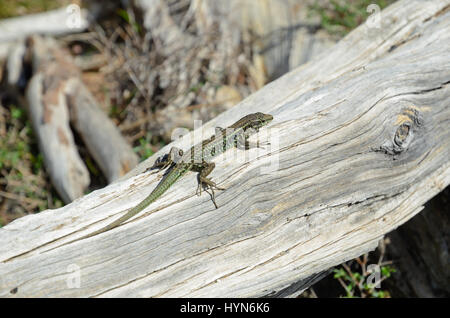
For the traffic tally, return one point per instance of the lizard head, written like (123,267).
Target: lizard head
(253,121)
(257,120)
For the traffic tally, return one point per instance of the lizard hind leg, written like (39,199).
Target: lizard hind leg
(204,171)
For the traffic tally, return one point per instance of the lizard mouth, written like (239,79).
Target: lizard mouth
(264,119)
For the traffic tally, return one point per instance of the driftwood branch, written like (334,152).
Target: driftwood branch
(57,98)
(65,20)
(359,142)
(49,114)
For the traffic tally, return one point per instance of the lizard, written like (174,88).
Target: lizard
(196,159)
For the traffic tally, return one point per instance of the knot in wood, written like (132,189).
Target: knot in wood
(401,136)
(408,121)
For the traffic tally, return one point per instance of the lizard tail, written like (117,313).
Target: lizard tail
(162,187)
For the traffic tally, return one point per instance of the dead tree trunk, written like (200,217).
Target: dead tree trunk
(359,142)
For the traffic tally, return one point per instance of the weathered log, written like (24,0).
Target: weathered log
(359,142)
(50,118)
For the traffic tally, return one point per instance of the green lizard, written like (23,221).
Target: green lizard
(197,159)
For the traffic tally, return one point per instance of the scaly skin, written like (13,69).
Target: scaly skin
(197,159)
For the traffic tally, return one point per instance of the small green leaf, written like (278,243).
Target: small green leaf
(339,273)
(124,15)
(387,270)
(16,113)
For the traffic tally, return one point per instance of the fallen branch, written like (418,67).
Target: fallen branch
(61,21)
(57,98)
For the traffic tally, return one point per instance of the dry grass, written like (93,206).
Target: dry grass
(24,186)
(10,8)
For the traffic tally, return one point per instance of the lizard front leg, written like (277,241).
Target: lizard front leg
(204,170)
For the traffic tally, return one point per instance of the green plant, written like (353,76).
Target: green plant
(339,17)
(145,149)
(24,185)
(20,7)
(362,279)
(130,20)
